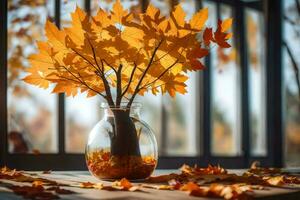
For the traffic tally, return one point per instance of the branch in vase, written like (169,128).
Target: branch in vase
(160,76)
(119,85)
(144,74)
(130,79)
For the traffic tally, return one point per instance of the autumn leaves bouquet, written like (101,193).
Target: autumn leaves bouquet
(118,56)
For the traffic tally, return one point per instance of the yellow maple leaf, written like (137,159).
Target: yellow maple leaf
(226,24)
(198,20)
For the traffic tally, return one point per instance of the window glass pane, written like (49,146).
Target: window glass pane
(151,114)
(181,119)
(67,7)
(81,113)
(179,122)
(134,5)
(32,117)
(291,88)
(225,93)
(163,5)
(256,59)
(181,112)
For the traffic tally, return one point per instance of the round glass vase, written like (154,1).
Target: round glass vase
(121,145)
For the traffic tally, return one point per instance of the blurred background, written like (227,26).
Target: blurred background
(34,115)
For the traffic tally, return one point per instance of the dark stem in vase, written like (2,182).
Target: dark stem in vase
(124,139)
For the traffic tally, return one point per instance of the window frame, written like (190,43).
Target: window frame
(274,121)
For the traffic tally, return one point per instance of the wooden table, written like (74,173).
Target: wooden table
(73,177)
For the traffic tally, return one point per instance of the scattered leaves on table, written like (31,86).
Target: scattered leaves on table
(212,181)
(39,188)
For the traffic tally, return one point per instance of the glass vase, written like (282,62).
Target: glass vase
(121,145)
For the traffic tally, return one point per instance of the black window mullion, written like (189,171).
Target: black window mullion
(144,4)
(240,41)
(3,82)
(206,108)
(273,11)
(87,6)
(164,129)
(61,97)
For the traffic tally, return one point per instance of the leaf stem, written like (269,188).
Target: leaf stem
(144,74)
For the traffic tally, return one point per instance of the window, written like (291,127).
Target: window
(32,113)
(228,116)
(226,138)
(291,85)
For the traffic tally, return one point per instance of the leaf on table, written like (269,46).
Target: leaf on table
(35,193)
(218,190)
(124,184)
(87,185)
(175,184)
(276,181)
(282,180)
(255,169)
(98,186)
(162,178)
(189,186)
(194,190)
(59,190)
(203,171)
(37,183)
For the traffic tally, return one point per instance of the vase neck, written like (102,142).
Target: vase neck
(133,111)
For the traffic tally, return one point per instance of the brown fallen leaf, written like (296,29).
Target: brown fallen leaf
(125,184)
(162,178)
(34,193)
(203,171)
(175,184)
(37,183)
(282,180)
(87,185)
(255,169)
(59,190)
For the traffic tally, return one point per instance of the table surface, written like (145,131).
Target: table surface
(73,177)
